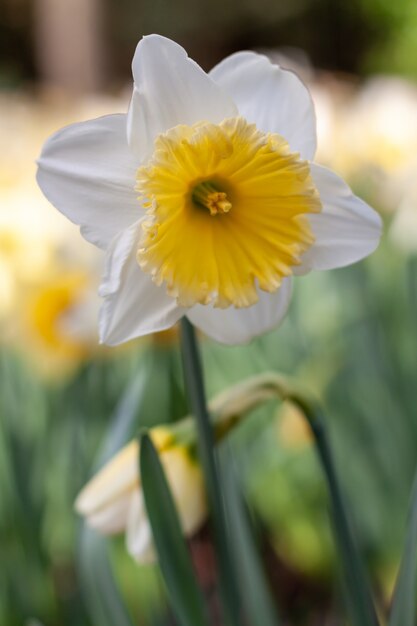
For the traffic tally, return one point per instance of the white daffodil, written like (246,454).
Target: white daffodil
(204,196)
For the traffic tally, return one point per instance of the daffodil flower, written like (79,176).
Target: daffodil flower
(58,321)
(204,196)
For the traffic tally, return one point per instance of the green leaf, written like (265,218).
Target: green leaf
(357,590)
(122,423)
(152,397)
(255,593)
(404,603)
(183,591)
(104,602)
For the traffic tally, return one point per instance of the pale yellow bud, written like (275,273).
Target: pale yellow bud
(112,502)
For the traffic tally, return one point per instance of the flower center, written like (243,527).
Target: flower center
(206,195)
(220,167)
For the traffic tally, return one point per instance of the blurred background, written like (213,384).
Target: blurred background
(350,336)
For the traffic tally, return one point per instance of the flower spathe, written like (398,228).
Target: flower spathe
(204,196)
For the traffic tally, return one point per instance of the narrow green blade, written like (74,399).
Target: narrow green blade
(256,596)
(142,402)
(183,591)
(105,604)
(122,422)
(404,603)
(358,594)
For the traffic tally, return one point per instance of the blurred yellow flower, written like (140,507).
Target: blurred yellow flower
(112,501)
(48,277)
(53,322)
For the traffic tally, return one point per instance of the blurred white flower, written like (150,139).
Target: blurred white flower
(375,137)
(403,229)
(112,502)
(381,123)
(204,196)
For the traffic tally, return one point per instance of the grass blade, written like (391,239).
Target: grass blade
(104,602)
(404,602)
(257,599)
(357,590)
(184,593)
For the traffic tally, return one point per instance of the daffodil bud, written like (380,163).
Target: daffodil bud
(112,502)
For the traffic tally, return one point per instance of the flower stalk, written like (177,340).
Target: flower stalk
(247,395)
(359,597)
(195,388)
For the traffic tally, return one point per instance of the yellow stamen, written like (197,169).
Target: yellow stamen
(261,194)
(207,196)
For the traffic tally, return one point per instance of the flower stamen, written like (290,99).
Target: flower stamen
(206,195)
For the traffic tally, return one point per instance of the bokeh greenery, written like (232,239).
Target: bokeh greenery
(349,337)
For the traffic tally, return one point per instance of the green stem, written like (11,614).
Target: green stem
(195,388)
(359,596)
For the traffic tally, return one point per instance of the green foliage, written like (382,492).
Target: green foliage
(184,593)
(254,589)
(49,436)
(103,600)
(394,50)
(358,593)
(403,608)
(350,335)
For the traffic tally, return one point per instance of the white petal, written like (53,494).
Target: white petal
(234,326)
(170,89)
(346,230)
(139,540)
(87,171)
(113,518)
(133,305)
(119,476)
(274,99)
